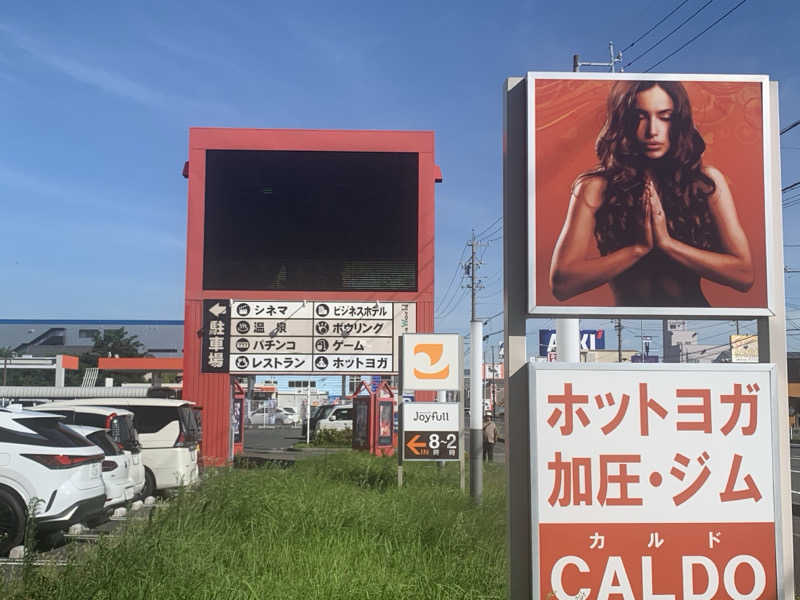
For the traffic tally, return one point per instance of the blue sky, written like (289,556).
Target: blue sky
(97,99)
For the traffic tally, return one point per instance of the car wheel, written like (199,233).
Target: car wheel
(149,488)
(98,519)
(12,521)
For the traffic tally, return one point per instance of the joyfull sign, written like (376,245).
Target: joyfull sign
(430,431)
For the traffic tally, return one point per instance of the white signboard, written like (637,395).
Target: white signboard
(431,361)
(644,478)
(318,337)
(431,431)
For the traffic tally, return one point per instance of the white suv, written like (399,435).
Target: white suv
(48,467)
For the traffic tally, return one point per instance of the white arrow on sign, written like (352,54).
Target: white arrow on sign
(218,309)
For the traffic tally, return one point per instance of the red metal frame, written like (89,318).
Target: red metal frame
(211,390)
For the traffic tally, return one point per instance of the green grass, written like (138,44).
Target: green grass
(333,527)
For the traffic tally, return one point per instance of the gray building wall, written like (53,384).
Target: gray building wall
(48,337)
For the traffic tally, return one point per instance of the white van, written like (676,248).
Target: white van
(168,434)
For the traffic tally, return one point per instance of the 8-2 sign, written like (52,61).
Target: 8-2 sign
(430,445)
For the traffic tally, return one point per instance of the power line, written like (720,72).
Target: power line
(792,126)
(646,33)
(496,221)
(455,306)
(697,36)
(455,273)
(491,233)
(658,43)
(790,186)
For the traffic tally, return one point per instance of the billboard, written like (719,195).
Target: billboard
(744,348)
(275,220)
(646,194)
(655,483)
(590,339)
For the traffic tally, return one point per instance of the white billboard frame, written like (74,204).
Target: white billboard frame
(641,311)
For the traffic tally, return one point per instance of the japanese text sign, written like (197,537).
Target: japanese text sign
(653,482)
(317,337)
(216,336)
(431,361)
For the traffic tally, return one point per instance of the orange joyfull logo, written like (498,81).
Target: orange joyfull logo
(434,353)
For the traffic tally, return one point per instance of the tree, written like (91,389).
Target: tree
(116,343)
(5,353)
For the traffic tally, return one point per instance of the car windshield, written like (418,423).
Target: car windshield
(325,411)
(45,432)
(122,431)
(288,410)
(189,425)
(102,439)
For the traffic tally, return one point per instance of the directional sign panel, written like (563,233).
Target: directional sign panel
(216,336)
(430,431)
(335,338)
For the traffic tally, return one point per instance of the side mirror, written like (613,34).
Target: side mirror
(332,418)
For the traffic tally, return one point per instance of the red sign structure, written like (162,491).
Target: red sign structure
(654,484)
(244,203)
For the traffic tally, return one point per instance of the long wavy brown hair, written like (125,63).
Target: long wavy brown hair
(681,184)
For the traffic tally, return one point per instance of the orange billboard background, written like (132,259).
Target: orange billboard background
(718,545)
(569,114)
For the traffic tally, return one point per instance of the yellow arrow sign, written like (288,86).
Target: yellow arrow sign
(414,445)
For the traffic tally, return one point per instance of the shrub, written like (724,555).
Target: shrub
(333,438)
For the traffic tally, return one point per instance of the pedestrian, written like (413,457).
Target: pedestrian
(489,437)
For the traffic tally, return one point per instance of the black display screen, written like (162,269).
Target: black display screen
(310,220)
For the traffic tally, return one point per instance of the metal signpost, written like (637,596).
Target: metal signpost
(659,481)
(431,430)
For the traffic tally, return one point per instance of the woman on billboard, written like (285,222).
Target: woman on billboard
(660,219)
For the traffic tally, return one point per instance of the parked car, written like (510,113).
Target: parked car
(341,417)
(273,416)
(317,412)
(48,468)
(115,468)
(290,416)
(117,421)
(168,433)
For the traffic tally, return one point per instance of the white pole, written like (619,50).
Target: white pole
(308,412)
(568,335)
(476,412)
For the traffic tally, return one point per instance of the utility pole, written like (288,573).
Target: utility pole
(618,327)
(611,64)
(494,383)
(475,383)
